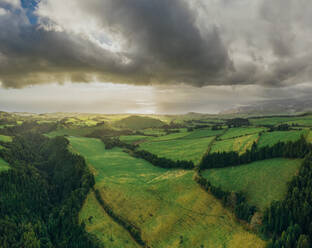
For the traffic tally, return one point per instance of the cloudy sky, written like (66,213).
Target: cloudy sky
(152,56)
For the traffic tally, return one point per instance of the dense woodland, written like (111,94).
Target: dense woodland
(40,197)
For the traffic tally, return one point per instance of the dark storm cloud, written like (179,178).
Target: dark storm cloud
(160,42)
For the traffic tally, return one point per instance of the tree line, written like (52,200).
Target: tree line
(162,162)
(42,194)
(111,142)
(291,149)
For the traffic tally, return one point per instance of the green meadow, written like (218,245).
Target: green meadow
(99,223)
(271,138)
(261,181)
(240,131)
(179,149)
(167,205)
(240,144)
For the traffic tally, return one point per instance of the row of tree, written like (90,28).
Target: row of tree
(162,162)
(234,200)
(42,194)
(134,231)
(291,149)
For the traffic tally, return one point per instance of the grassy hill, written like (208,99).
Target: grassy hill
(262,181)
(139,122)
(167,205)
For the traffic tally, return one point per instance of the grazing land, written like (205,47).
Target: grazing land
(262,181)
(240,144)
(167,205)
(179,149)
(241,131)
(271,138)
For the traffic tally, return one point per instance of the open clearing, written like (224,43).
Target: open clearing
(167,205)
(3,165)
(5,138)
(262,181)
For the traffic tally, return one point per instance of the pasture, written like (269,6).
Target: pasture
(99,223)
(240,131)
(240,144)
(179,149)
(167,205)
(271,138)
(261,181)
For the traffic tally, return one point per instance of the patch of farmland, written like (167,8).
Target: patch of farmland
(261,181)
(167,205)
(179,149)
(240,144)
(271,138)
(241,131)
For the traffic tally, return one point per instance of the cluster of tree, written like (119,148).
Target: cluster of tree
(237,122)
(173,125)
(169,131)
(295,149)
(29,126)
(216,127)
(109,132)
(282,127)
(189,129)
(111,142)
(41,196)
(234,200)
(290,220)
(134,231)
(162,162)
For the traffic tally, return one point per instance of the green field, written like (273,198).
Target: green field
(240,144)
(261,181)
(167,205)
(240,131)
(5,138)
(3,165)
(309,137)
(271,138)
(202,133)
(179,149)
(132,138)
(102,226)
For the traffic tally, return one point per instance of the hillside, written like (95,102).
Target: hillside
(139,122)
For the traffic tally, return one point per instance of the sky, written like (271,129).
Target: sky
(152,56)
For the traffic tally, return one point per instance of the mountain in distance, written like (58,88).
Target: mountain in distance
(274,107)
